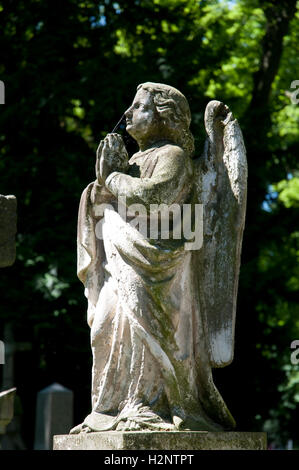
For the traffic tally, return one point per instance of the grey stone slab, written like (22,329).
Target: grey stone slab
(8,228)
(155,440)
(54,414)
(6,408)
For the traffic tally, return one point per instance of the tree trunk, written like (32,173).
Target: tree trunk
(278,14)
(258,120)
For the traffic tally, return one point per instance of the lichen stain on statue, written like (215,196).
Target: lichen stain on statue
(162,316)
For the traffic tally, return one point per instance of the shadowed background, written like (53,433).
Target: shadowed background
(70,70)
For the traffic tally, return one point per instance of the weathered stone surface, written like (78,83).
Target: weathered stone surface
(6,408)
(8,228)
(161,306)
(176,440)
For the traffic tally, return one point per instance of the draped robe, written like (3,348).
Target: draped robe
(151,366)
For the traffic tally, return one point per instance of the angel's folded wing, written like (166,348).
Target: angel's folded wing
(221,186)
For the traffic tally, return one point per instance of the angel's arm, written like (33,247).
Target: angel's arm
(164,186)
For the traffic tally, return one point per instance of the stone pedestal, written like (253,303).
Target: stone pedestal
(152,440)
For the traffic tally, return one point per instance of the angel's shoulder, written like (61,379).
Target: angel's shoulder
(174,160)
(172,153)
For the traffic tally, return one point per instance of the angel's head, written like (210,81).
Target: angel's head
(162,112)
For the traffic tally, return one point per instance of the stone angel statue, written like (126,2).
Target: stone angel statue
(162,313)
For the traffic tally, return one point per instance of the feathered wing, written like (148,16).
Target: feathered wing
(221,186)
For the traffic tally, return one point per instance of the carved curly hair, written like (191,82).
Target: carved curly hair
(173,109)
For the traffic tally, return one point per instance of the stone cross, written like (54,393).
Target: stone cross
(54,415)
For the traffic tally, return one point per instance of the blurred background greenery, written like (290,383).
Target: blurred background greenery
(70,69)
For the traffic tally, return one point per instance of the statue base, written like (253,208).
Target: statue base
(161,440)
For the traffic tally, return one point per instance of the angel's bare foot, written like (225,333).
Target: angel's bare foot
(80,428)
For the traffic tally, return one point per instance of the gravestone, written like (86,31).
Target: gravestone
(11,348)
(2,353)
(8,227)
(6,410)
(2,92)
(13,436)
(54,415)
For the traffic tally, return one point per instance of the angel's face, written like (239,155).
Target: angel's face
(141,117)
